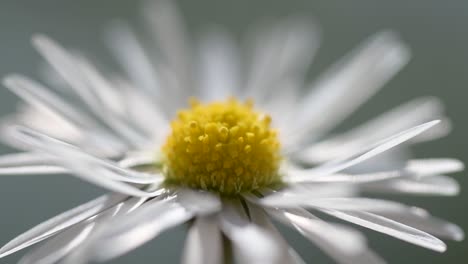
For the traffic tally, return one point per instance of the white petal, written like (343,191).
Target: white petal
(35,169)
(422,220)
(236,226)
(85,81)
(39,96)
(219,66)
(402,117)
(133,58)
(101,85)
(143,112)
(369,152)
(58,247)
(351,204)
(415,168)
(259,217)
(391,228)
(72,157)
(350,83)
(58,223)
(422,167)
(167,28)
(203,244)
(283,51)
(298,176)
(198,202)
(314,191)
(126,233)
(136,159)
(343,244)
(76,252)
(63,62)
(27,163)
(431,185)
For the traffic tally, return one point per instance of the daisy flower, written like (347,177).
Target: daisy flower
(253,144)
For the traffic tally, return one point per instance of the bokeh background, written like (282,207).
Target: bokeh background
(435,30)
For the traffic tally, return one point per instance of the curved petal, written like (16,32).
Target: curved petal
(59,223)
(400,118)
(27,163)
(369,152)
(349,204)
(302,177)
(349,83)
(219,66)
(59,246)
(391,228)
(431,185)
(422,220)
(198,202)
(241,232)
(343,244)
(434,166)
(71,156)
(130,231)
(131,55)
(204,244)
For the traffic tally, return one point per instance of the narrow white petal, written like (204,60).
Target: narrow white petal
(142,111)
(259,217)
(39,96)
(281,106)
(27,163)
(350,83)
(72,157)
(203,244)
(133,58)
(422,220)
(63,62)
(167,28)
(343,244)
(414,168)
(391,228)
(369,152)
(402,117)
(85,81)
(241,232)
(299,176)
(136,159)
(345,239)
(77,251)
(103,178)
(431,185)
(198,202)
(281,51)
(351,204)
(59,223)
(314,191)
(34,169)
(133,230)
(97,82)
(58,247)
(219,66)
(421,167)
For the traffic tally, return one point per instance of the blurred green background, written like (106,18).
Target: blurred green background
(435,30)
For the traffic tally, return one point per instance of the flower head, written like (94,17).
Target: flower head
(225,165)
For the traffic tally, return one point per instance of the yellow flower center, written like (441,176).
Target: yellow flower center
(225,147)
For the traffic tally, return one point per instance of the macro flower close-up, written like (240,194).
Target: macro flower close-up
(229,139)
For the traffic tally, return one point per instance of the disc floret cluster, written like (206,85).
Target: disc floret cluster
(224,146)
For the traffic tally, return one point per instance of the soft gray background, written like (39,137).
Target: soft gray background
(436,31)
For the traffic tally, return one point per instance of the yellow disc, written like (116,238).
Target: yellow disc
(225,147)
